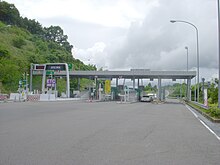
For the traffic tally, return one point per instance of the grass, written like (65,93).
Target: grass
(213,111)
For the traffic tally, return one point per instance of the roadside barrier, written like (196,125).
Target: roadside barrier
(199,104)
(35,97)
(14,97)
(3,97)
(47,97)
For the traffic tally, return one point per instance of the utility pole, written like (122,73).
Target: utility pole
(218,54)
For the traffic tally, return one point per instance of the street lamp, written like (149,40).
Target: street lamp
(218,54)
(197,50)
(187,69)
(187,58)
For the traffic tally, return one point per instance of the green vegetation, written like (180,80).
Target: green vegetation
(178,90)
(150,89)
(213,92)
(213,110)
(24,41)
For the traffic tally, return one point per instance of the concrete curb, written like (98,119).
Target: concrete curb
(205,115)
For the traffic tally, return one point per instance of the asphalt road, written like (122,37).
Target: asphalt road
(78,133)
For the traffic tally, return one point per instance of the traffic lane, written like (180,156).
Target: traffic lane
(106,133)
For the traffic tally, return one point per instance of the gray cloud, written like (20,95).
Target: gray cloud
(157,44)
(84,35)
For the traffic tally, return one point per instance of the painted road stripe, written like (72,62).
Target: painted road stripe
(203,122)
(192,111)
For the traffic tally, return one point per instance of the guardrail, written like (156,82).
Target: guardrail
(200,105)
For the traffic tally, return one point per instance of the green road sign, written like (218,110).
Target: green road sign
(49,72)
(70,66)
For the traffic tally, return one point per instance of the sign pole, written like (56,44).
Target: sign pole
(31,77)
(67,81)
(43,80)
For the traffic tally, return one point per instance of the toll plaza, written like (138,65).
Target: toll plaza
(49,71)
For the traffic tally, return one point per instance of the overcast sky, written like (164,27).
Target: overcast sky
(125,34)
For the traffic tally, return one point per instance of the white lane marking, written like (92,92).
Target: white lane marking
(192,111)
(210,129)
(203,123)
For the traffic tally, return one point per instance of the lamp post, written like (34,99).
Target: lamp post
(187,58)
(197,50)
(218,53)
(187,69)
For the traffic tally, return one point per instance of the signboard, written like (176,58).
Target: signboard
(70,67)
(36,72)
(49,72)
(107,86)
(39,67)
(51,82)
(205,97)
(55,67)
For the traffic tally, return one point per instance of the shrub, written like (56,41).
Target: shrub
(18,42)
(215,112)
(3,52)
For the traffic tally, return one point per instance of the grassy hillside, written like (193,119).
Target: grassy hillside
(19,48)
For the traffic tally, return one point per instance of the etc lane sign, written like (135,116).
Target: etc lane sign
(51,82)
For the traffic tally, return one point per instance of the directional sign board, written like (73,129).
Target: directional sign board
(55,67)
(38,72)
(70,67)
(49,72)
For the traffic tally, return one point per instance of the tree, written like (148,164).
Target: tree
(55,34)
(33,26)
(9,75)
(155,88)
(150,88)
(9,14)
(213,92)
(3,52)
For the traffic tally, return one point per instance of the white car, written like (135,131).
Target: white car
(146,99)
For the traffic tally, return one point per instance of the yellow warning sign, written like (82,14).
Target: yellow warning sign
(107,86)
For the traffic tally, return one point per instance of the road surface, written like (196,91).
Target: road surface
(106,133)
